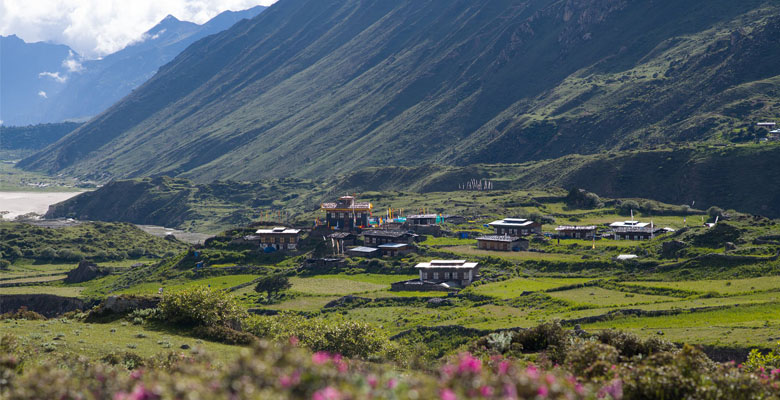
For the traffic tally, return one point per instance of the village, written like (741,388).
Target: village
(350,229)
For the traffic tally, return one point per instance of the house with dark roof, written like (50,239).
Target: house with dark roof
(362,251)
(516,227)
(376,237)
(576,232)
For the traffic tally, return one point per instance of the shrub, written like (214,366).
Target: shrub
(630,345)
(348,338)
(201,306)
(757,361)
(224,334)
(23,313)
(127,359)
(591,359)
(5,265)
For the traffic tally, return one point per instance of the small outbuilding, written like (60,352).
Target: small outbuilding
(362,251)
(396,249)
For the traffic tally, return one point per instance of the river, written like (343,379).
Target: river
(13,204)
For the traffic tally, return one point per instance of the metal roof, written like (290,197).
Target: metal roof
(627,224)
(512,222)
(393,245)
(499,238)
(278,230)
(446,264)
(363,249)
(382,233)
(575,228)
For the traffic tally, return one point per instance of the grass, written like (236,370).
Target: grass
(449,241)
(303,303)
(97,340)
(65,291)
(47,278)
(217,282)
(742,325)
(513,255)
(515,287)
(723,286)
(601,297)
(332,285)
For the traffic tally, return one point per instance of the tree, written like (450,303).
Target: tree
(272,284)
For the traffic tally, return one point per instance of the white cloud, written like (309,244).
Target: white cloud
(53,75)
(98,27)
(43,94)
(72,64)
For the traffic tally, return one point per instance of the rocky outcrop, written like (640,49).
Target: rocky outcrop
(47,305)
(86,271)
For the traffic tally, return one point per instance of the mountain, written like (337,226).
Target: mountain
(316,88)
(24,83)
(90,87)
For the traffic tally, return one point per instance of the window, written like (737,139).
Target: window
(435,275)
(446,275)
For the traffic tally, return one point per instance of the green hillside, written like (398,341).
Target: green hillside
(313,89)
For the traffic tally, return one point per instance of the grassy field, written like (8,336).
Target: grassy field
(217,282)
(303,303)
(449,241)
(66,291)
(47,278)
(467,251)
(724,286)
(741,325)
(601,297)
(97,340)
(332,285)
(516,286)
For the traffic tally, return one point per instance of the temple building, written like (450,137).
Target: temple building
(502,243)
(279,238)
(635,230)
(457,272)
(576,232)
(347,214)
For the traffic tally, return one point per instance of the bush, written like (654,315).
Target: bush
(224,334)
(591,359)
(348,338)
(22,313)
(201,306)
(580,198)
(630,345)
(5,265)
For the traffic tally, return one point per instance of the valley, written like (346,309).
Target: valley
(397,199)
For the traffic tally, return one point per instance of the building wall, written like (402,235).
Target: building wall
(465,276)
(344,219)
(529,230)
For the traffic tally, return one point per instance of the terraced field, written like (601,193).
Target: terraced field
(516,286)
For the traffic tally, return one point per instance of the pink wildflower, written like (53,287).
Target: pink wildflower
(320,357)
(447,394)
(341,366)
(287,381)
(510,391)
(372,381)
(503,367)
(469,363)
(136,374)
(329,393)
(294,340)
(139,393)
(579,389)
(550,378)
(614,389)
(775,371)
(448,370)
(542,392)
(392,383)
(532,372)
(486,391)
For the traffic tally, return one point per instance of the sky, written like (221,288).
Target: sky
(94,28)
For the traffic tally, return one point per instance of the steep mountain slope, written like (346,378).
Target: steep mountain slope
(83,89)
(313,88)
(23,90)
(104,82)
